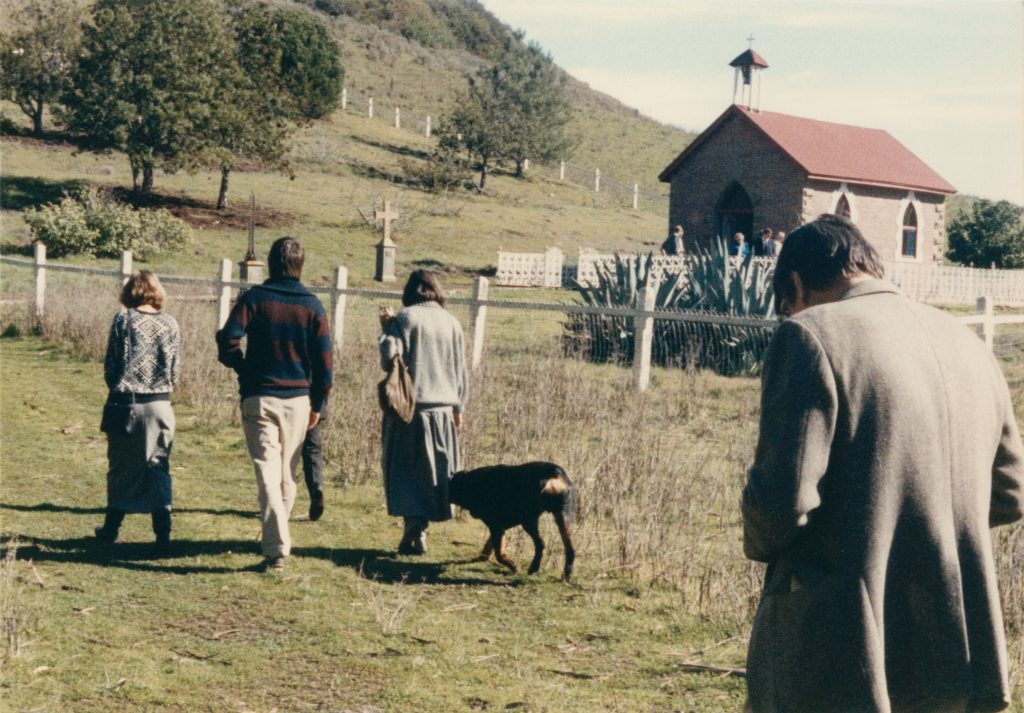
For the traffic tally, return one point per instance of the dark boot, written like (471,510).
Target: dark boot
(111,524)
(162,530)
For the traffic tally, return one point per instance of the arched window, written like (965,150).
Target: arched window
(843,207)
(909,244)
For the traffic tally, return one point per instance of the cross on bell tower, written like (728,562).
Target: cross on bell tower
(748,64)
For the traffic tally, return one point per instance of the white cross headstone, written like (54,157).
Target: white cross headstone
(386,247)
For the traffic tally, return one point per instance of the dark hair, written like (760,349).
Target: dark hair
(143,288)
(821,252)
(423,286)
(286,259)
(766,231)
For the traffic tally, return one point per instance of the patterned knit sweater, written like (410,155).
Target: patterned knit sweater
(288,346)
(143,353)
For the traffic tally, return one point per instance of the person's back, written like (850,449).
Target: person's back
(888,448)
(916,529)
(436,352)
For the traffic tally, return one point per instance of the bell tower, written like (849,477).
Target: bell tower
(748,64)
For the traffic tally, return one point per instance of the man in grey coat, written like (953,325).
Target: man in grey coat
(888,448)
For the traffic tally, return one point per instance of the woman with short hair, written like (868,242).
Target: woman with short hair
(141,368)
(419,458)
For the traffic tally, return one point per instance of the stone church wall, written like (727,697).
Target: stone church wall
(878,212)
(736,152)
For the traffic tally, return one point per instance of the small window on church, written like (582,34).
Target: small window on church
(909,245)
(843,207)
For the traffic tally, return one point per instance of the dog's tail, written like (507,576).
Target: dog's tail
(561,494)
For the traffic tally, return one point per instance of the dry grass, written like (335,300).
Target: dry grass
(659,474)
(14,617)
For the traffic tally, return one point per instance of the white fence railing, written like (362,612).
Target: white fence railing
(641,319)
(936,284)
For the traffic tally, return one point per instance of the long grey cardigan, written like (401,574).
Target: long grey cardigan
(888,448)
(419,458)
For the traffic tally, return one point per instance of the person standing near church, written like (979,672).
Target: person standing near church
(739,247)
(673,244)
(284,377)
(888,447)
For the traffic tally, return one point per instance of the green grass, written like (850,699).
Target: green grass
(349,626)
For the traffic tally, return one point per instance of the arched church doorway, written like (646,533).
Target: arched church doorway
(734,213)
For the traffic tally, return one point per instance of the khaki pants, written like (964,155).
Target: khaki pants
(274,432)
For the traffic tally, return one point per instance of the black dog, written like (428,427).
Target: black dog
(504,496)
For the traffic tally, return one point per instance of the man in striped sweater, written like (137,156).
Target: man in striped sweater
(284,376)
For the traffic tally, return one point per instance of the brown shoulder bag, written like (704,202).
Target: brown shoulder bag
(396,392)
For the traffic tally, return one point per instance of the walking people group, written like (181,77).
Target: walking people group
(888,448)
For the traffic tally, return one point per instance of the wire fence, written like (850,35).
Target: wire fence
(637,337)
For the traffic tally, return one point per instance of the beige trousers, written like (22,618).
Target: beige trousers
(274,432)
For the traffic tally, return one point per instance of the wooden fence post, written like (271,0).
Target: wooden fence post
(561,171)
(344,98)
(338,300)
(426,132)
(39,251)
(597,180)
(988,326)
(643,333)
(636,195)
(126,266)
(370,107)
(477,319)
(398,118)
(224,302)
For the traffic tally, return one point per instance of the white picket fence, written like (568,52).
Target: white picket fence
(643,317)
(935,284)
(952,284)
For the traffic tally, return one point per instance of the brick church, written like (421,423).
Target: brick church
(755,169)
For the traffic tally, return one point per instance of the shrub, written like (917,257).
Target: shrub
(711,283)
(89,223)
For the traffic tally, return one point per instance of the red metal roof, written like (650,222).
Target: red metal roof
(749,57)
(835,152)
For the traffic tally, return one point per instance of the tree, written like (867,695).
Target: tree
(291,74)
(535,90)
(988,233)
(513,110)
(36,60)
(151,82)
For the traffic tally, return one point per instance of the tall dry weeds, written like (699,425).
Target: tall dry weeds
(659,474)
(14,615)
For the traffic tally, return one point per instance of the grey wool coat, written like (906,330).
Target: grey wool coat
(888,448)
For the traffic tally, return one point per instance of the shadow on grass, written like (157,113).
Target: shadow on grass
(21,192)
(373,564)
(388,568)
(133,555)
(75,510)
(392,148)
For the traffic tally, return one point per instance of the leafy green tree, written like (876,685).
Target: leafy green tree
(36,59)
(290,74)
(513,110)
(291,54)
(537,102)
(151,82)
(988,233)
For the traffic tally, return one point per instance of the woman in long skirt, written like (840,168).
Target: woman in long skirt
(141,369)
(419,458)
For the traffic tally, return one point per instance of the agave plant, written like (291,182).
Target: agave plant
(711,282)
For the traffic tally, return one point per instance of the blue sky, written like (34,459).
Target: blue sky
(945,78)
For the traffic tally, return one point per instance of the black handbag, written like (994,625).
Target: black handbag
(118,417)
(396,392)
